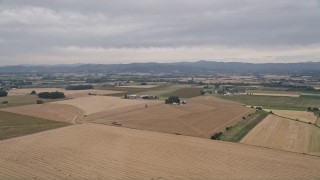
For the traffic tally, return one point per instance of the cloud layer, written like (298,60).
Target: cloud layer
(122,31)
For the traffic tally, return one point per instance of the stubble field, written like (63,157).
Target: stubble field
(295,115)
(91,151)
(284,134)
(51,111)
(96,104)
(200,117)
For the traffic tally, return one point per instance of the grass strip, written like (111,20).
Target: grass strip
(240,130)
(15,125)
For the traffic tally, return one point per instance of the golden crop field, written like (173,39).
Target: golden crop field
(96,104)
(314,147)
(284,134)
(91,151)
(51,111)
(296,115)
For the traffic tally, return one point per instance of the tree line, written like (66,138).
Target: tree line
(51,95)
(3,93)
(79,87)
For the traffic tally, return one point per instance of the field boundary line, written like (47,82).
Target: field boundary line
(274,149)
(312,124)
(243,144)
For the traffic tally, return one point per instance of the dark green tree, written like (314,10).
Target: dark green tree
(173,99)
(3,93)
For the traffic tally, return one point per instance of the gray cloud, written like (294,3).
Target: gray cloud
(30,29)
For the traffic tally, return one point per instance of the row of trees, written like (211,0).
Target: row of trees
(216,136)
(79,87)
(51,95)
(310,109)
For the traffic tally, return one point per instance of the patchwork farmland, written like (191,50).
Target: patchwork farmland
(68,93)
(156,140)
(200,117)
(159,90)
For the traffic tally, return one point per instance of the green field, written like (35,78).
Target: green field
(162,91)
(275,102)
(15,125)
(238,131)
(165,90)
(21,100)
(312,96)
(127,91)
(132,90)
(273,92)
(188,92)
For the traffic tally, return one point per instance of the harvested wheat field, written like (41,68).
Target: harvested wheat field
(314,147)
(96,104)
(296,115)
(280,133)
(91,151)
(51,111)
(200,117)
(68,93)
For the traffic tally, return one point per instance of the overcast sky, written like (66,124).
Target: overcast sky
(124,31)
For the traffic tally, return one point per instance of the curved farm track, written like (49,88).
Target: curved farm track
(51,111)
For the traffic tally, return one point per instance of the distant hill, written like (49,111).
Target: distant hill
(200,67)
